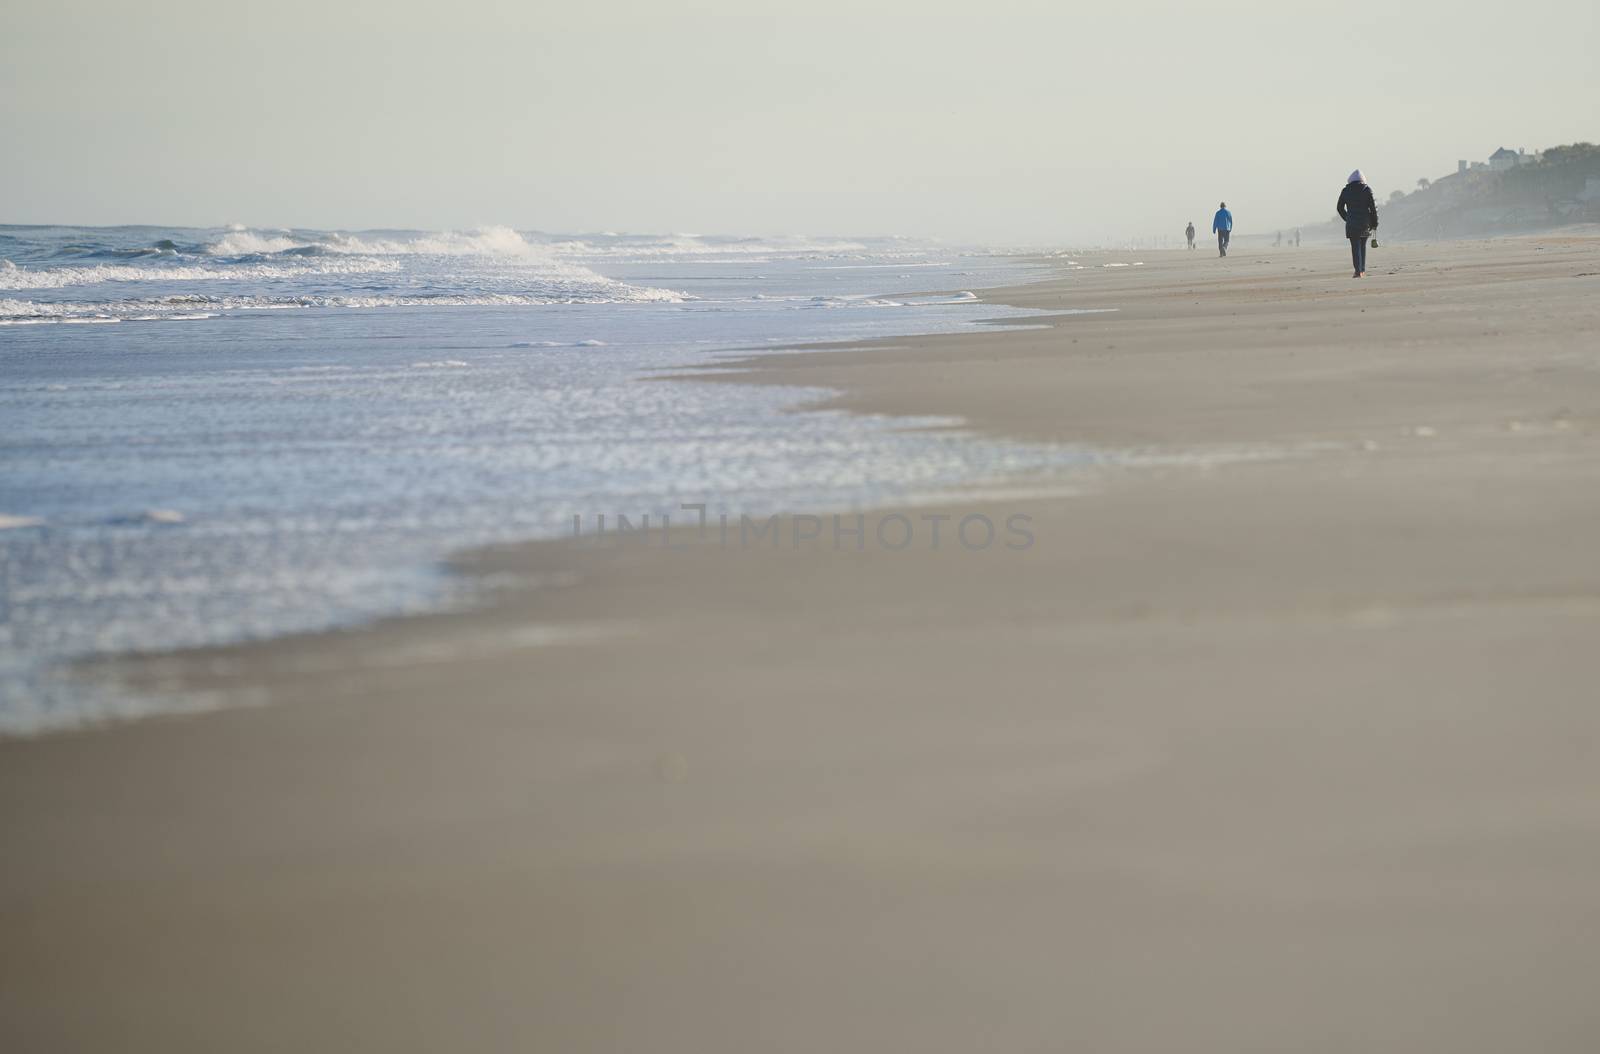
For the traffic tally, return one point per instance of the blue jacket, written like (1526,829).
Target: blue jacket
(1222,221)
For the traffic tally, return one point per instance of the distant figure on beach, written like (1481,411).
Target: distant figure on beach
(1189,233)
(1277,239)
(1222,227)
(1359,210)
(1297,237)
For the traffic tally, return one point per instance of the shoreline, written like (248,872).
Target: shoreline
(41,699)
(1324,719)
(142,672)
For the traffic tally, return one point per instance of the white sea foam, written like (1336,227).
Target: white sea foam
(498,262)
(545,432)
(240,241)
(614,293)
(484,241)
(14,278)
(562,257)
(182,308)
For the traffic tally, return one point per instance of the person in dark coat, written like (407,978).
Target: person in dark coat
(1359,210)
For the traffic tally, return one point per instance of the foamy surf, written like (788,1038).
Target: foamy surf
(487,379)
(15,278)
(485,241)
(194,275)
(198,306)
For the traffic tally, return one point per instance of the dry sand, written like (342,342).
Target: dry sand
(1299,754)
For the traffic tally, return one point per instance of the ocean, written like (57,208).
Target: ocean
(216,435)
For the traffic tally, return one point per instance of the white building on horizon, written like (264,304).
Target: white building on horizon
(1503,158)
(1499,161)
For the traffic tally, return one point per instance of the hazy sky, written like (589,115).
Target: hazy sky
(998,121)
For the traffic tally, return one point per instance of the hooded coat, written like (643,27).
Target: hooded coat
(1358,209)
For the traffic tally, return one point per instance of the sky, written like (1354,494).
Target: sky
(1002,122)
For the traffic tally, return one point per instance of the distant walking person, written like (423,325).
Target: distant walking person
(1359,210)
(1189,233)
(1222,227)
(1297,237)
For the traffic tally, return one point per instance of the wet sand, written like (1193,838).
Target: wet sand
(1288,753)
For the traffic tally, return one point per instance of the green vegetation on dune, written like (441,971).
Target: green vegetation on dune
(1560,185)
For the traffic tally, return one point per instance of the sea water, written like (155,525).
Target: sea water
(209,436)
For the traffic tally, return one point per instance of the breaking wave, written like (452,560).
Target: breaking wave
(248,243)
(71,276)
(484,241)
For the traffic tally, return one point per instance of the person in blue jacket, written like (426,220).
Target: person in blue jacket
(1359,210)
(1222,227)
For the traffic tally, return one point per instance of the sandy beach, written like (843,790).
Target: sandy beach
(1282,737)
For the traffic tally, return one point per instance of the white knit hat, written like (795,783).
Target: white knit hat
(1356,177)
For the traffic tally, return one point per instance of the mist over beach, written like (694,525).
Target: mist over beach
(874,527)
(1023,123)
